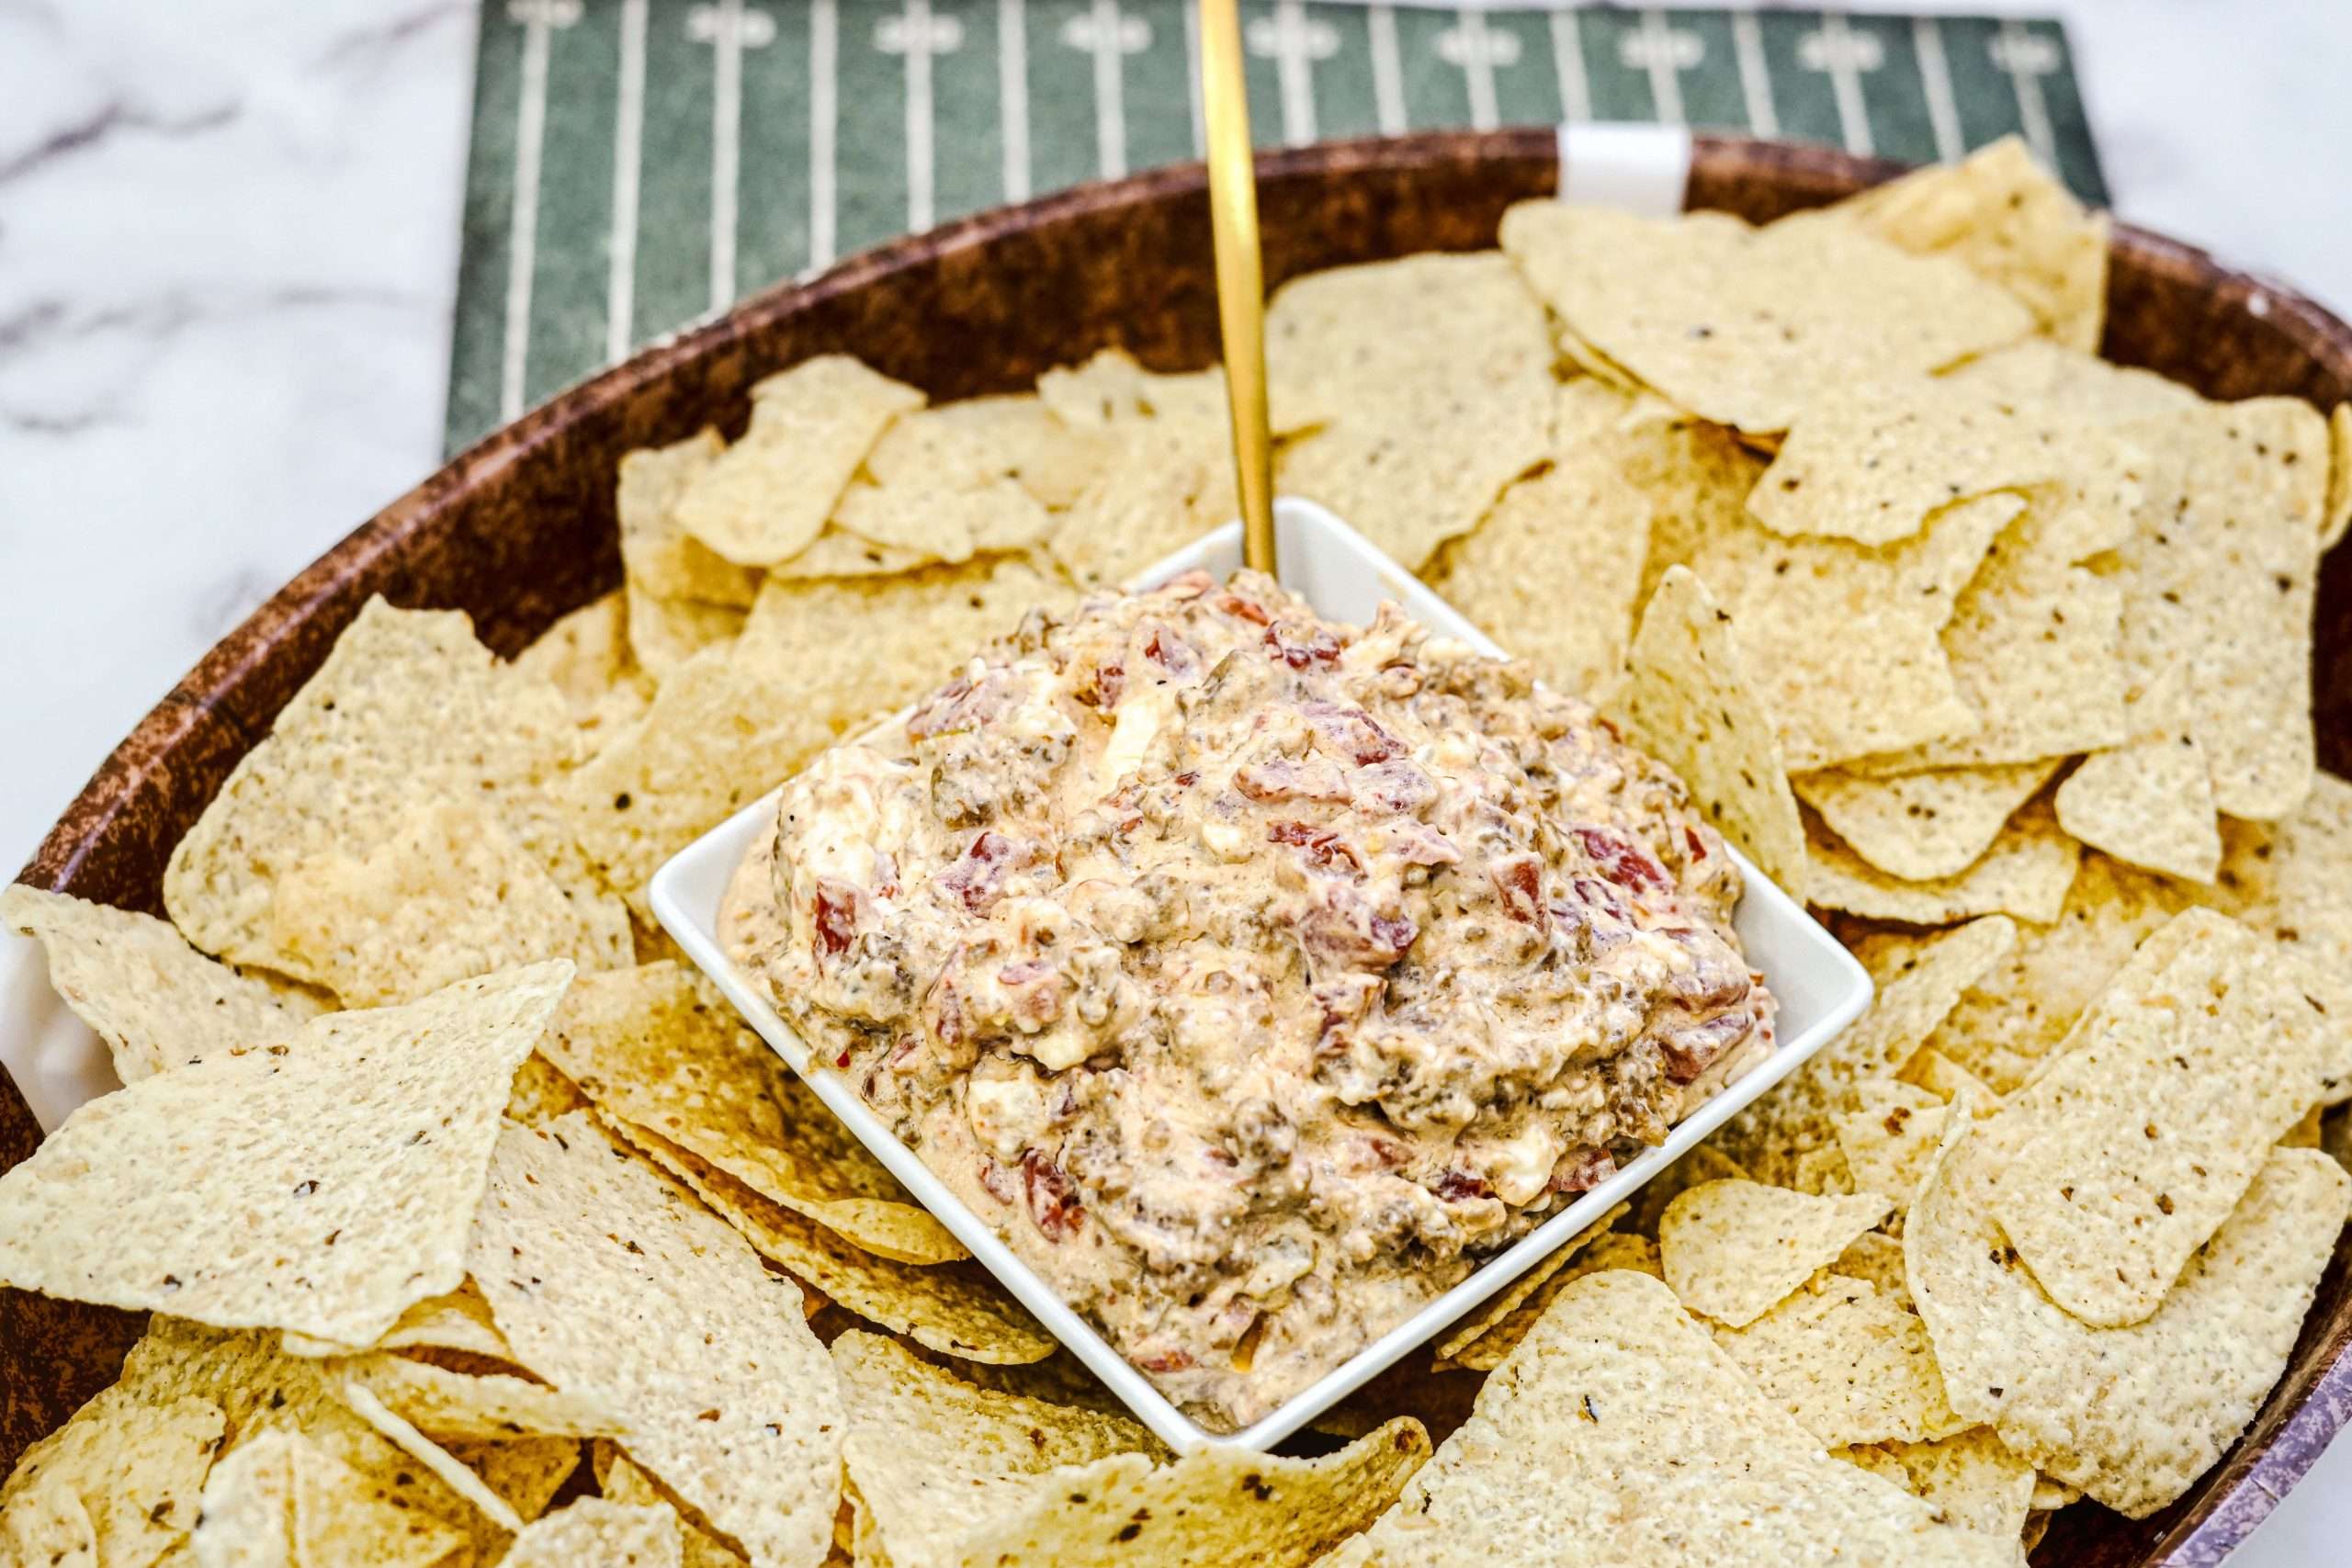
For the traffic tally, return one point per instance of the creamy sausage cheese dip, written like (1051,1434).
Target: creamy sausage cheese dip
(1253,975)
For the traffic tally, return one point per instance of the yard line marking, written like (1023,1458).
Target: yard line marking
(1567,63)
(1935,75)
(2028,57)
(1843,55)
(1012,95)
(1388,70)
(918,36)
(1110,38)
(730,28)
(1192,77)
(629,145)
(1469,45)
(823,124)
(1293,43)
(1754,76)
(1661,51)
(539,18)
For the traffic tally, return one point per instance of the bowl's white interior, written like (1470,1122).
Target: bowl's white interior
(1819,987)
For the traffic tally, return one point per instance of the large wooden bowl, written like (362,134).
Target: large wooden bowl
(520,529)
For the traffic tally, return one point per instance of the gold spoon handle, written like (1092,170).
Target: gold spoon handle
(1240,280)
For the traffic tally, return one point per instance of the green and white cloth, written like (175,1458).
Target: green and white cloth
(639,163)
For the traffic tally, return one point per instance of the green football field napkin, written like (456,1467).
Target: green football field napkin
(639,163)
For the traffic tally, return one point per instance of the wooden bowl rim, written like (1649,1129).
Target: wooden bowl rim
(2262,1467)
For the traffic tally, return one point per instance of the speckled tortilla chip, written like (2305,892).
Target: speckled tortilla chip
(1701,1162)
(2223,571)
(662,559)
(602,1274)
(1850,1365)
(622,1479)
(2087,387)
(1918,981)
(2010,222)
(664,633)
(444,1465)
(1554,568)
(1621,1425)
(1689,698)
(1970,1477)
(586,655)
(954,1308)
(2131,1415)
(955,1474)
(2294,880)
(2123,1156)
(1925,825)
(1159,492)
(136,1469)
(359,1146)
(1017,437)
(458,1321)
(2024,873)
(1416,418)
(595,1530)
(443,1404)
(154,999)
(1505,1302)
(449,895)
(2149,801)
(837,552)
(407,707)
(1746,326)
(2339,476)
(285,1500)
(1733,1249)
(929,523)
(1890,685)
(1110,390)
(1871,461)
(656,1047)
(765,497)
(1889,1137)
(1612,1250)
(1946,1080)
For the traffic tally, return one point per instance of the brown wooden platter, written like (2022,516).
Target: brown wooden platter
(521,528)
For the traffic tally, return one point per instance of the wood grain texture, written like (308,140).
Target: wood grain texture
(520,528)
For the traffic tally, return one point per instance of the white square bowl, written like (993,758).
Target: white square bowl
(1819,987)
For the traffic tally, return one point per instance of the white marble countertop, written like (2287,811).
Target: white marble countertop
(228,256)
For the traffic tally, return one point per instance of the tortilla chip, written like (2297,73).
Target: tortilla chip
(952,1473)
(2024,873)
(658,1047)
(541,1093)
(622,1479)
(448,897)
(50,1525)
(2149,801)
(1890,1136)
(1620,1425)
(1701,1162)
(2087,387)
(1689,698)
(1415,419)
(1889,685)
(2339,478)
(1110,390)
(1948,1080)
(2010,221)
(1554,567)
(662,559)
(2221,570)
(722,732)
(1613,1250)
(445,1467)
(1850,1365)
(837,552)
(1732,1250)
(1871,461)
(135,1468)
(443,1404)
(359,1147)
(954,1309)
(1925,825)
(1505,1302)
(594,1530)
(1968,1477)
(665,633)
(1877,1257)
(1018,438)
(458,1322)
(765,498)
(2306,1133)
(2019,1010)
(2131,1415)
(408,707)
(600,1271)
(933,523)
(152,998)
(1161,491)
(1746,326)
(284,1500)
(2135,1144)
(2293,881)
(586,655)
(1917,981)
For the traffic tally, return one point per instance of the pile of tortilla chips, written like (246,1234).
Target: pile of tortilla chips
(475,1228)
